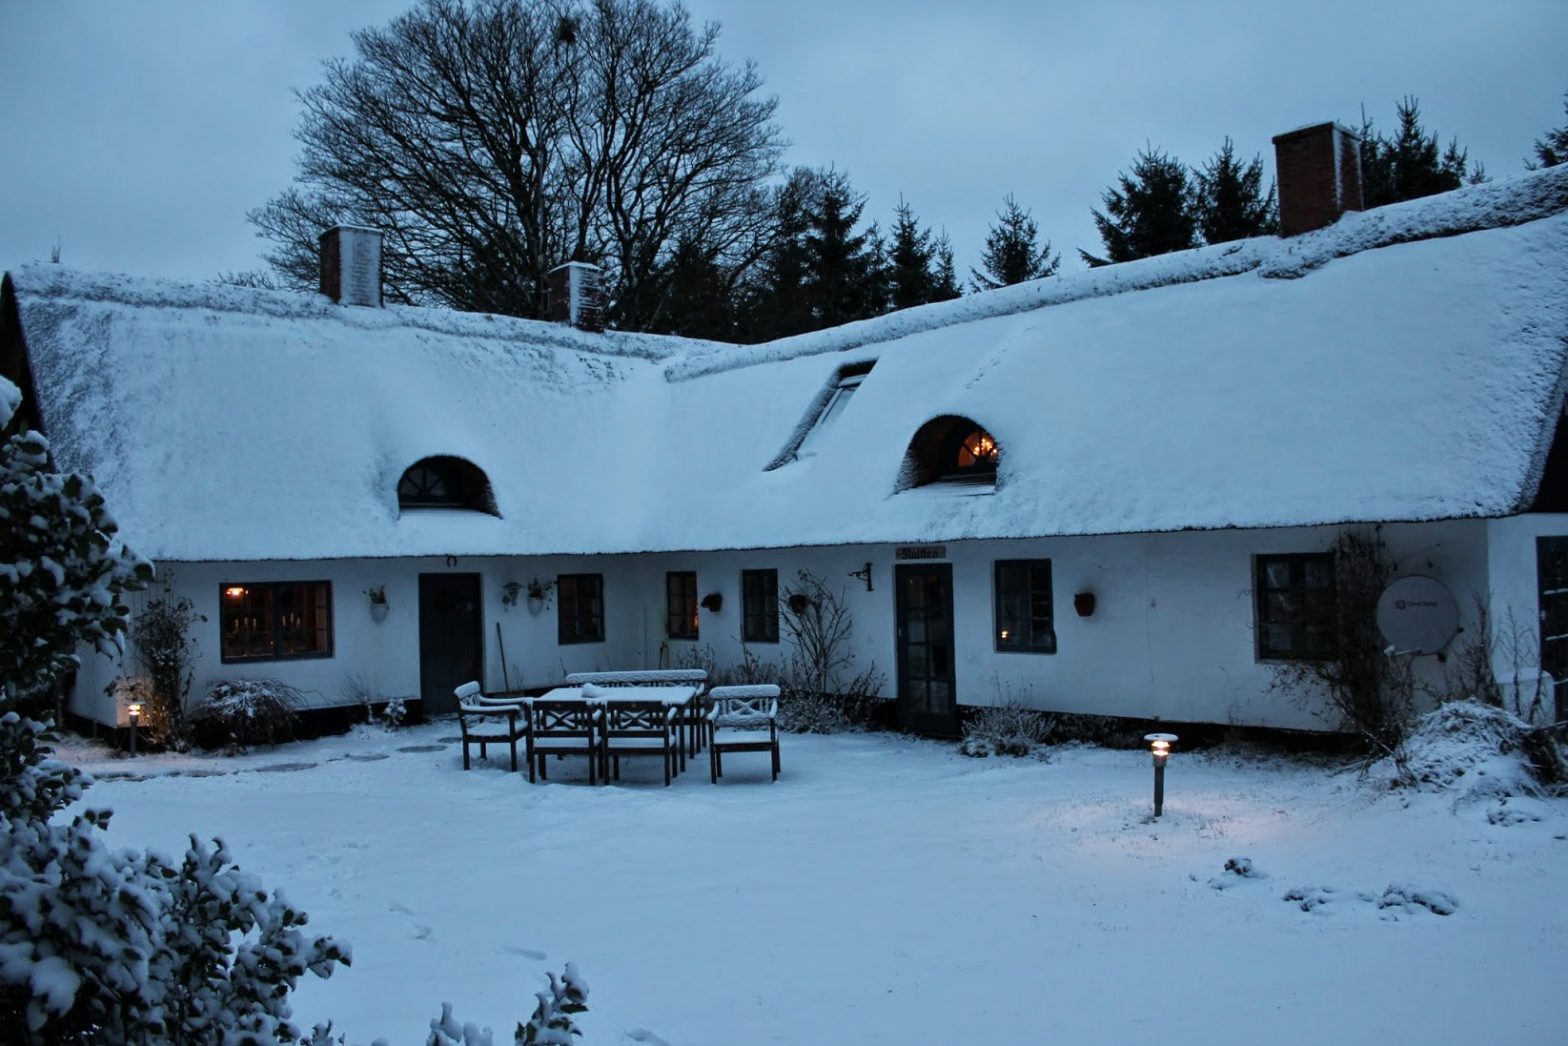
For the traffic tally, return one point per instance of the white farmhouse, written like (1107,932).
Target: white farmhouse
(1109,492)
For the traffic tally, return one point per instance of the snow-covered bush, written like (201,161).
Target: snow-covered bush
(395,715)
(1472,749)
(552,1024)
(99,945)
(167,653)
(61,572)
(238,713)
(1005,729)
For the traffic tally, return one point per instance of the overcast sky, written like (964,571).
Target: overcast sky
(138,134)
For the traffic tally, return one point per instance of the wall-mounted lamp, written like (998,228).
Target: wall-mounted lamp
(1083,603)
(1160,747)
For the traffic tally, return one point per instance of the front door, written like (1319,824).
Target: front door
(451,638)
(926,702)
(1551,564)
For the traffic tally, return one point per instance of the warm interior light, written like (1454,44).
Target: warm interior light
(235,592)
(133,709)
(1162,746)
(1006,633)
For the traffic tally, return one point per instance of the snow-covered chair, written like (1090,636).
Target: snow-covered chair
(742,719)
(486,721)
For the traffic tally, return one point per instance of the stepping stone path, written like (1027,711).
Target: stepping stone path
(366,757)
(420,748)
(278,768)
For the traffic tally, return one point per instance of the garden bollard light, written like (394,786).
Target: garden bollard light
(1160,745)
(133,710)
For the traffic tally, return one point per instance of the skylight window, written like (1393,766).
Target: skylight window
(824,413)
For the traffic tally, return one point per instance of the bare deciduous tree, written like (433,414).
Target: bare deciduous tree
(492,140)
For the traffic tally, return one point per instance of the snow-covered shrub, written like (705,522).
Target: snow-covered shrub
(1474,749)
(395,715)
(167,653)
(1005,729)
(61,572)
(552,1024)
(238,713)
(101,945)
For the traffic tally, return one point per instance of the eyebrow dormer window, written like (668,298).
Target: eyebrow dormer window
(951,450)
(824,412)
(445,481)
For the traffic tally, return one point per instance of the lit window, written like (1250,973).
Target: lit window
(275,620)
(1024,619)
(951,449)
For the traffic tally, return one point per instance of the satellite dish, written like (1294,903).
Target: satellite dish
(1417,615)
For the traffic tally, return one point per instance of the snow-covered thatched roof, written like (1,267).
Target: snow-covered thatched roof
(1406,363)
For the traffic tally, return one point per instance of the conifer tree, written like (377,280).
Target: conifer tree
(775,302)
(1151,213)
(1011,253)
(843,267)
(1409,165)
(1551,148)
(920,263)
(1229,198)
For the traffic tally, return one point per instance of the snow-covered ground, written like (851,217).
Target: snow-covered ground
(889,890)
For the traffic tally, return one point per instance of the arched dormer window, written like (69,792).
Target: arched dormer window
(951,449)
(445,481)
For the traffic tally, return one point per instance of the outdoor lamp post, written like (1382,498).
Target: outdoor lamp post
(134,710)
(1160,746)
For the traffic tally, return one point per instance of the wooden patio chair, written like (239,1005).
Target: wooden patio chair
(638,728)
(564,728)
(487,721)
(742,719)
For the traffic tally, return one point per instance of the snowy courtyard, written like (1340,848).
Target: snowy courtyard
(888,890)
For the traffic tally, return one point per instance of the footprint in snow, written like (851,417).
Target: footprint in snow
(644,1035)
(526,953)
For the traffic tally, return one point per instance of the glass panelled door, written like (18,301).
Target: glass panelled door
(1551,564)
(926,699)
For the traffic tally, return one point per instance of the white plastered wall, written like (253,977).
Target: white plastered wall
(1171,636)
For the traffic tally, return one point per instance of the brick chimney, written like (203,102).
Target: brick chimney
(351,265)
(577,295)
(1319,172)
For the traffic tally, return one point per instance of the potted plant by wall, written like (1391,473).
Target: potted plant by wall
(378,603)
(713,601)
(538,593)
(509,593)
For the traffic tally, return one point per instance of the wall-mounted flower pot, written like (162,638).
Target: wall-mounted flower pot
(1083,603)
(799,602)
(535,604)
(378,612)
(712,602)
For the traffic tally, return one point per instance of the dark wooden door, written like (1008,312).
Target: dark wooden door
(451,638)
(926,700)
(1551,565)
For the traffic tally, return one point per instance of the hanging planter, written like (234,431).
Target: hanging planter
(712,602)
(378,603)
(1083,603)
(538,595)
(799,602)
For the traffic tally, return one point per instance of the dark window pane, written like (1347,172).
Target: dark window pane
(1025,619)
(681,604)
(1295,605)
(760,606)
(580,608)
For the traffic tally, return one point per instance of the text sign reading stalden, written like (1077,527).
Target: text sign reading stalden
(922,552)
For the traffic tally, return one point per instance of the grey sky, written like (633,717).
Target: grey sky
(138,134)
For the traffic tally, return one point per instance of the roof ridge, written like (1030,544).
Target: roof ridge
(1512,201)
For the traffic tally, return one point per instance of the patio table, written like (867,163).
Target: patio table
(673,696)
